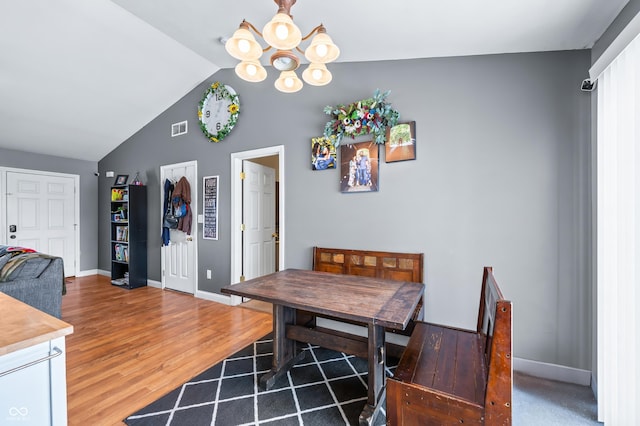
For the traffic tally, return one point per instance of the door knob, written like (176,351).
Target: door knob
(13,237)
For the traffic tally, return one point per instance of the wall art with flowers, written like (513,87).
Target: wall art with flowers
(368,116)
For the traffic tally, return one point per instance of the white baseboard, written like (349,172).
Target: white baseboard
(552,371)
(87,273)
(214,297)
(153,283)
(103,272)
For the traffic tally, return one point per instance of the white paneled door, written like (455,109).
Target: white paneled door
(179,258)
(259,237)
(41,215)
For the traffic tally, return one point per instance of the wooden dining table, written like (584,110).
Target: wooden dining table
(376,303)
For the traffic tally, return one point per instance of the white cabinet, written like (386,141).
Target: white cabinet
(33,385)
(33,376)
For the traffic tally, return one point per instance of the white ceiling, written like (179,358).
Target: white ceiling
(78,77)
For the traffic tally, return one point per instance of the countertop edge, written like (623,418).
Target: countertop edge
(23,326)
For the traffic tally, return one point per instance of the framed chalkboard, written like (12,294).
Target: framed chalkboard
(210,198)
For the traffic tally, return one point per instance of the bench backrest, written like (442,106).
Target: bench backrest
(495,325)
(379,264)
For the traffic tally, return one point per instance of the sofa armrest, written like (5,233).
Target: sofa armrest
(44,292)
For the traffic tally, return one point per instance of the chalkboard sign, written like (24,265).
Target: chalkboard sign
(210,196)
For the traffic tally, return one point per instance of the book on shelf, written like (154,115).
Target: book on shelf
(122,233)
(121,252)
(117,194)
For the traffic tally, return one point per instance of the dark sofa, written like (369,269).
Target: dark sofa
(33,278)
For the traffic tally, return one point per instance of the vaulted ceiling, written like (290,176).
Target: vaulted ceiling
(77,77)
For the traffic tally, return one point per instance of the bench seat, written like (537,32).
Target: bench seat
(446,363)
(451,376)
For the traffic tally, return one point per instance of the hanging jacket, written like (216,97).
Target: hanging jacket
(168,189)
(184,223)
(182,196)
(183,190)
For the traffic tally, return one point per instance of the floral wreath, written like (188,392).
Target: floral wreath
(371,115)
(234,108)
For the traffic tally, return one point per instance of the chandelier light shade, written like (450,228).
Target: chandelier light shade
(288,82)
(252,71)
(243,45)
(322,50)
(283,35)
(281,32)
(317,75)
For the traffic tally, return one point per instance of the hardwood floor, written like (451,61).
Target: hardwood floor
(129,347)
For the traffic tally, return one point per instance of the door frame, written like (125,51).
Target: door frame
(194,222)
(236,209)
(76,207)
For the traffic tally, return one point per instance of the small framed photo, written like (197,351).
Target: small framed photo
(359,167)
(121,179)
(401,142)
(323,154)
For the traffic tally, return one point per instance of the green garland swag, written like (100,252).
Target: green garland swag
(371,115)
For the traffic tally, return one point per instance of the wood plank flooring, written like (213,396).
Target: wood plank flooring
(130,347)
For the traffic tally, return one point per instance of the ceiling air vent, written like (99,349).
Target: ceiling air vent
(178,129)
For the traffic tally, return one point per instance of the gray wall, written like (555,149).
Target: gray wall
(88,194)
(501,179)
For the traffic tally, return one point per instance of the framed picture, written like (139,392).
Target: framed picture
(121,179)
(323,154)
(359,164)
(401,142)
(210,209)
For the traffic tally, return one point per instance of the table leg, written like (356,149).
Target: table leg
(284,350)
(377,361)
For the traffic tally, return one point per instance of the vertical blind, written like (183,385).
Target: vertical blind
(618,238)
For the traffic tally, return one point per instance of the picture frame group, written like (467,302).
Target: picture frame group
(359,162)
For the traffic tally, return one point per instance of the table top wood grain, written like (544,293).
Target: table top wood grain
(376,301)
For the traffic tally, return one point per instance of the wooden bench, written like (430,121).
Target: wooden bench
(380,264)
(453,376)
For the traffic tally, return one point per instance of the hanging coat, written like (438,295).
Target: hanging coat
(182,192)
(168,189)
(184,223)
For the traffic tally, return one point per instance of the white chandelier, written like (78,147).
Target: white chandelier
(284,36)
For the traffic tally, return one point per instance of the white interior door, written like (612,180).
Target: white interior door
(180,257)
(258,211)
(41,214)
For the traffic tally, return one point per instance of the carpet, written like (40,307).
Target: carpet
(324,388)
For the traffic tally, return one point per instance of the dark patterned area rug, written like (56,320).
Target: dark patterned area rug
(324,388)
